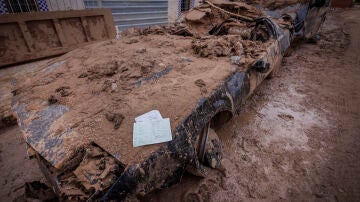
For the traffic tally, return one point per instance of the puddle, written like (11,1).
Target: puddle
(276,119)
(290,131)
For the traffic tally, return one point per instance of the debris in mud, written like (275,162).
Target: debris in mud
(195,16)
(155,76)
(97,171)
(83,75)
(52,100)
(6,121)
(238,10)
(89,172)
(261,31)
(109,85)
(141,50)
(244,32)
(64,91)
(201,83)
(180,30)
(146,65)
(218,47)
(235,60)
(213,155)
(184,59)
(98,71)
(261,66)
(159,30)
(113,87)
(252,49)
(138,66)
(131,41)
(166,44)
(286,117)
(116,118)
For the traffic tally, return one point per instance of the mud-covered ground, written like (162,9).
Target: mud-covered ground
(296,139)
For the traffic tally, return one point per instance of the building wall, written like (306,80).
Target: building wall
(134,13)
(174,8)
(126,13)
(56,5)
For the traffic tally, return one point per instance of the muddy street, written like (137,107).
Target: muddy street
(298,136)
(296,139)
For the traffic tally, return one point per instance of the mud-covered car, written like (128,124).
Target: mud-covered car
(77,113)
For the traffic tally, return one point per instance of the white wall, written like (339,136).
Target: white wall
(59,5)
(197,2)
(173,9)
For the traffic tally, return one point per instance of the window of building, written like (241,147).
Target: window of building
(185,5)
(20,6)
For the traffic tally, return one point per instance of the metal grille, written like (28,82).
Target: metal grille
(185,5)
(134,13)
(20,6)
